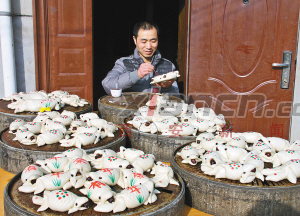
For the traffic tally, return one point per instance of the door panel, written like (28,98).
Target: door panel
(232,48)
(70,47)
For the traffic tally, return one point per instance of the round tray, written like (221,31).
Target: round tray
(116,109)
(15,156)
(170,202)
(7,115)
(228,197)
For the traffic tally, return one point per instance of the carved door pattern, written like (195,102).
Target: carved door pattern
(232,48)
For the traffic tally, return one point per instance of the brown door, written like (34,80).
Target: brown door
(232,47)
(64,46)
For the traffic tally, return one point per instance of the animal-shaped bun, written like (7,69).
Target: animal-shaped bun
(165,77)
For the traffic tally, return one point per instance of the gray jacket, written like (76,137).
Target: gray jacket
(125,73)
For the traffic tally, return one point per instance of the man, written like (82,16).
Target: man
(134,73)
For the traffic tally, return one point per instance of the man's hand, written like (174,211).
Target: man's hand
(165,84)
(145,69)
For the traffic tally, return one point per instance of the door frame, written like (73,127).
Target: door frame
(183,44)
(41,44)
(295,117)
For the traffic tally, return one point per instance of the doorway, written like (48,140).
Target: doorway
(113,23)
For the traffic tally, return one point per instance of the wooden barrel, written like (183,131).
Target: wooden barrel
(161,146)
(228,197)
(116,109)
(7,115)
(170,202)
(15,157)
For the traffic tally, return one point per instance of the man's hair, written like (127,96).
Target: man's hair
(145,25)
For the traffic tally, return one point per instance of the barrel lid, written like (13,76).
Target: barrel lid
(7,139)
(196,172)
(170,199)
(6,110)
(130,100)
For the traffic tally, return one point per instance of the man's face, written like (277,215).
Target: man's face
(146,43)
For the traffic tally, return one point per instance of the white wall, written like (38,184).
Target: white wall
(24,46)
(1,75)
(295,120)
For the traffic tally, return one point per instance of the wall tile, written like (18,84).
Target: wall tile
(24,53)
(295,124)
(1,76)
(21,7)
